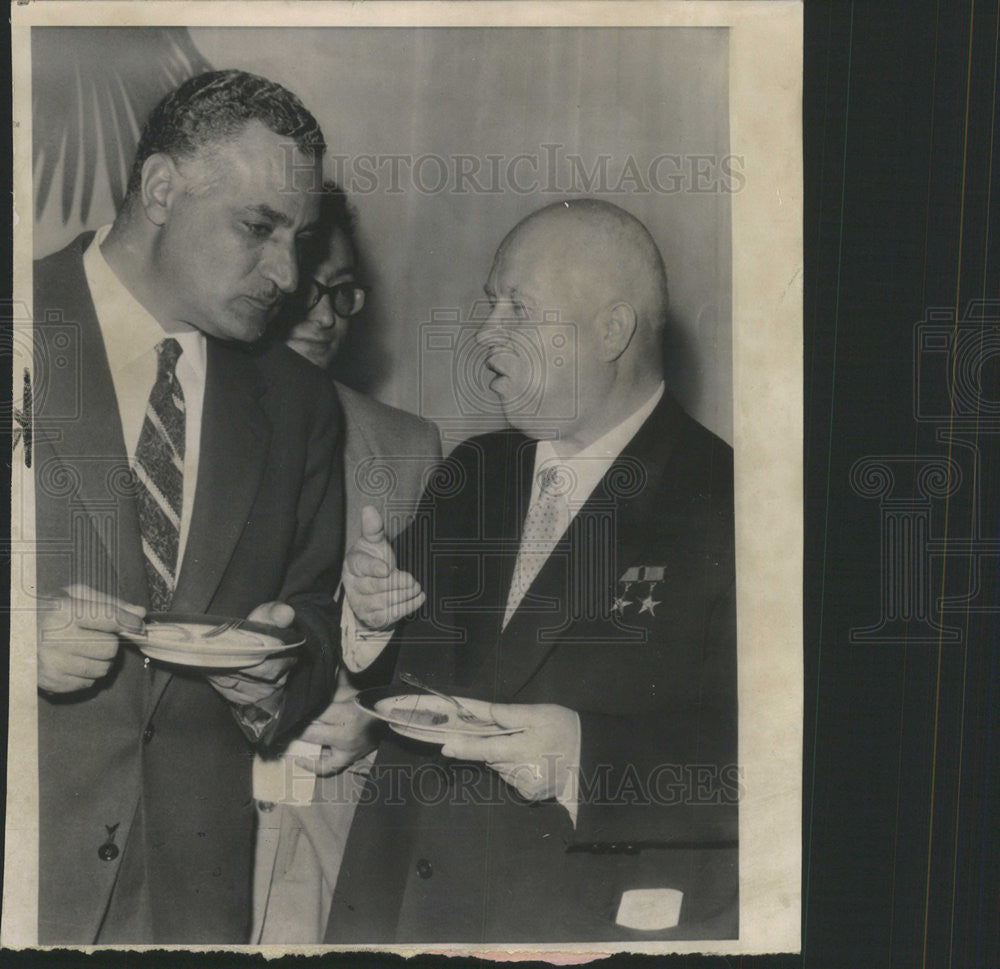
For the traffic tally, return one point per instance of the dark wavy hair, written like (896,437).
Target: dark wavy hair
(335,212)
(215,106)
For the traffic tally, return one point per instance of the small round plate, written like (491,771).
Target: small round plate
(423,716)
(180,639)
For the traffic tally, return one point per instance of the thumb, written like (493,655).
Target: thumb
(273,613)
(372,528)
(513,714)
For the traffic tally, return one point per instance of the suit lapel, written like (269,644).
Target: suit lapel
(79,434)
(234,437)
(503,490)
(608,533)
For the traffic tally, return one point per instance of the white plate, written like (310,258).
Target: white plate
(180,639)
(228,660)
(424,716)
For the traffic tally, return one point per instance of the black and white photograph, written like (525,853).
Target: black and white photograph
(407,492)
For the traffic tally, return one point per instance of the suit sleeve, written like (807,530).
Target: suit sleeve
(670,777)
(432,437)
(313,571)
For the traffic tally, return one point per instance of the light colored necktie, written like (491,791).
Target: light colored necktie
(159,466)
(544,525)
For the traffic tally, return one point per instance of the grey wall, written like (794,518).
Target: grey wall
(631,95)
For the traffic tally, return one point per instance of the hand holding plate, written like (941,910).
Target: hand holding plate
(78,637)
(260,681)
(537,761)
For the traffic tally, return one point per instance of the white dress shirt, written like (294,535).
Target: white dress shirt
(130,335)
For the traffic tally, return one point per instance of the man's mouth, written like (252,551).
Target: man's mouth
(264,304)
(319,335)
(490,364)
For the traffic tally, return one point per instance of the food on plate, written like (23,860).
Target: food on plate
(419,718)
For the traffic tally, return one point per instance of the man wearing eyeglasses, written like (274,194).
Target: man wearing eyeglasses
(306,799)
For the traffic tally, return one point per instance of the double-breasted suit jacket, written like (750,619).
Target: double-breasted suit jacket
(631,623)
(146,811)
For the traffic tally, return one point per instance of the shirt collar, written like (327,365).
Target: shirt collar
(590,464)
(130,331)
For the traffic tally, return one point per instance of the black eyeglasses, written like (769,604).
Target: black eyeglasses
(347,298)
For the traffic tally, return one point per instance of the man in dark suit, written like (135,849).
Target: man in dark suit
(303,821)
(579,582)
(179,468)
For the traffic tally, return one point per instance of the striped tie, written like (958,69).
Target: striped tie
(159,466)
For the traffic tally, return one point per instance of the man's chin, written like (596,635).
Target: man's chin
(241,328)
(319,354)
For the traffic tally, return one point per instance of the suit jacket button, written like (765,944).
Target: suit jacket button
(107,852)
(147,734)
(424,868)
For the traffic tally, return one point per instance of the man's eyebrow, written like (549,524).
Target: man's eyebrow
(311,229)
(266,212)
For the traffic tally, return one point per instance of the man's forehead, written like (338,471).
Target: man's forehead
(339,259)
(260,156)
(529,260)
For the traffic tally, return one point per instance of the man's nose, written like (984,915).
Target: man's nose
(322,313)
(280,266)
(491,330)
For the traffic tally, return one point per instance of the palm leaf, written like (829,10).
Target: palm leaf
(91,87)
(71,158)
(120,137)
(92,137)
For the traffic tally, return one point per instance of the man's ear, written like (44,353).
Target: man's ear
(619,328)
(161,183)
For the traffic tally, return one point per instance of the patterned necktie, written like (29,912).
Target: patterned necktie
(547,519)
(159,466)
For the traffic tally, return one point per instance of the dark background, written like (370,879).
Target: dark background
(900,824)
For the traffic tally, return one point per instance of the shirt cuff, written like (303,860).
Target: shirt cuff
(359,647)
(259,720)
(569,796)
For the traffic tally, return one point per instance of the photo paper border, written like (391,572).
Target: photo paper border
(765,129)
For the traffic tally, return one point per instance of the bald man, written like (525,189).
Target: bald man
(574,578)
